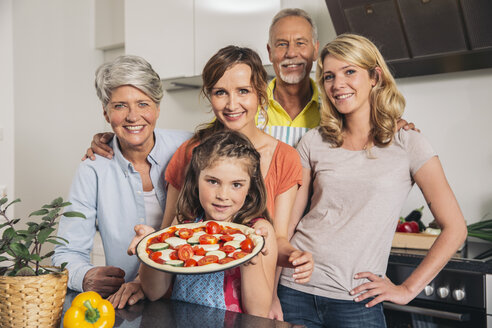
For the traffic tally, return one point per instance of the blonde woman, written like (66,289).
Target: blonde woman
(360,172)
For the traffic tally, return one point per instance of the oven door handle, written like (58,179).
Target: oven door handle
(429,312)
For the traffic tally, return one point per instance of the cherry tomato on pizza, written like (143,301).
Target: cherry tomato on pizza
(199,250)
(185,233)
(247,245)
(228,249)
(213,227)
(190,263)
(156,257)
(185,252)
(209,259)
(226,238)
(208,239)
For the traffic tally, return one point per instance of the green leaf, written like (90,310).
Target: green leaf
(25,271)
(39,212)
(54,242)
(11,203)
(3,270)
(57,202)
(3,225)
(15,221)
(20,250)
(3,200)
(61,238)
(49,254)
(34,227)
(35,257)
(3,258)
(9,233)
(63,265)
(74,215)
(65,204)
(44,234)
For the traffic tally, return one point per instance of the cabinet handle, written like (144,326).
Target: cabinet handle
(429,312)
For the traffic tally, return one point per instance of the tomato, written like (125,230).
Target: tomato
(411,226)
(209,259)
(163,236)
(226,238)
(198,229)
(239,255)
(172,230)
(208,239)
(228,249)
(190,263)
(213,227)
(185,252)
(156,257)
(198,250)
(247,245)
(231,231)
(226,260)
(185,233)
(174,255)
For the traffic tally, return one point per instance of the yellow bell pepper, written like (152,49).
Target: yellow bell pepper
(89,310)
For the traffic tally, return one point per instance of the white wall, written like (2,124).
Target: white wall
(454,111)
(7,97)
(56,110)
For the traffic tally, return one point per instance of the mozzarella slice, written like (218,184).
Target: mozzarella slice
(174,242)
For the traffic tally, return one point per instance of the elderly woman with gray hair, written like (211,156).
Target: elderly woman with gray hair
(117,194)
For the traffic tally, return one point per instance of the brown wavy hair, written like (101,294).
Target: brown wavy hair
(213,71)
(221,145)
(387,103)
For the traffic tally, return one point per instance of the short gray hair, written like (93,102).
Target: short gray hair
(128,70)
(287,12)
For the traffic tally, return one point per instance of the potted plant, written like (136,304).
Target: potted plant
(31,295)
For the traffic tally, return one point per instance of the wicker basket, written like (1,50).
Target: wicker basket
(35,301)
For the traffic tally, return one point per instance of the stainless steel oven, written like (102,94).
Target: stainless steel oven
(457,297)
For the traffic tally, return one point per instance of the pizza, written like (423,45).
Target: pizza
(201,247)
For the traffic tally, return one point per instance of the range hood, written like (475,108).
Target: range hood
(421,37)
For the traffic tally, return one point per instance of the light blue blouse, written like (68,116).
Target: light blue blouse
(110,194)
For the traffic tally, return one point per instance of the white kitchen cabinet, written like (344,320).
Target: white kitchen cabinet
(161,31)
(178,37)
(109,24)
(219,23)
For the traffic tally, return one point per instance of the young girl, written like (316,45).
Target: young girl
(362,172)
(223,183)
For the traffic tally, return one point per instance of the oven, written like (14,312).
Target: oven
(457,297)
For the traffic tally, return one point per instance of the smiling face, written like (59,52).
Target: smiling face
(223,187)
(234,100)
(132,115)
(347,86)
(291,49)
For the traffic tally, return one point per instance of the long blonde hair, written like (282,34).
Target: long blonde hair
(387,103)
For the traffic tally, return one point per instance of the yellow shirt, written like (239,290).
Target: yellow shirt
(281,126)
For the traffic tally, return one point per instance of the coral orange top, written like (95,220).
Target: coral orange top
(285,171)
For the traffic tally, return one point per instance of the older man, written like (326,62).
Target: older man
(293,103)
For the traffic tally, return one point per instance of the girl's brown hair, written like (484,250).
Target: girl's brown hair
(387,103)
(213,71)
(222,145)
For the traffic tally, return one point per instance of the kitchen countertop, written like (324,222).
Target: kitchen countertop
(168,313)
(413,257)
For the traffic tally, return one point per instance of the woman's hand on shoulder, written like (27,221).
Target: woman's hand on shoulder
(99,145)
(303,264)
(403,124)
(141,230)
(381,289)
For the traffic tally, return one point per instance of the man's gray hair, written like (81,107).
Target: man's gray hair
(287,12)
(127,70)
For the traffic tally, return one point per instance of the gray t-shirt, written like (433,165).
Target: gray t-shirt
(355,205)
